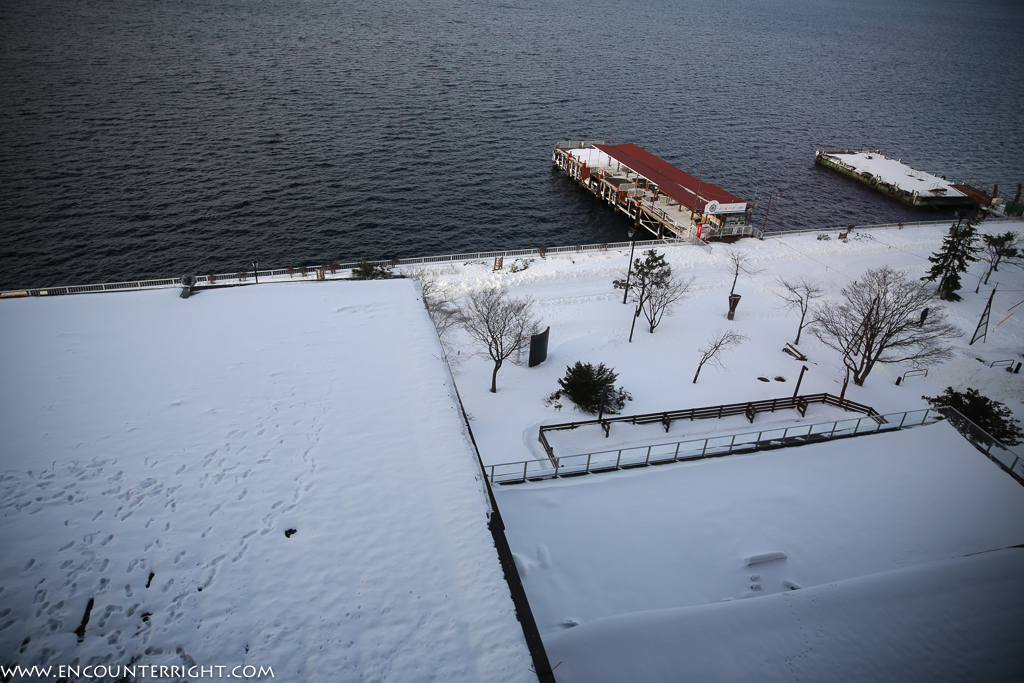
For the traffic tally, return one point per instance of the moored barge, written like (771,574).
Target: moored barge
(663,199)
(900,181)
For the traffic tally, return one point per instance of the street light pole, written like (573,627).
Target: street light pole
(799,379)
(629,269)
(770,196)
(600,409)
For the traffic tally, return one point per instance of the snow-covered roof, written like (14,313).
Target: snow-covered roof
(895,172)
(671,181)
(880,539)
(274,475)
(676,183)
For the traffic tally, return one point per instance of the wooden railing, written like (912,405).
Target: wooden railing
(750,409)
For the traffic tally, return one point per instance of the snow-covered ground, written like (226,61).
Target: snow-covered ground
(881,579)
(157,453)
(157,450)
(589,323)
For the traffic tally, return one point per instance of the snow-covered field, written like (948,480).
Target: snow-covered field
(882,578)
(157,454)
(589,323)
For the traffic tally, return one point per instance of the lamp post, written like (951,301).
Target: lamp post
(629,269)
(799,380)
(255,272)
(600,409)
(770,196)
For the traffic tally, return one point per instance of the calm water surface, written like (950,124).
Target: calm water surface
(144,140)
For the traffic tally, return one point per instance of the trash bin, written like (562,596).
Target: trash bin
(734,300)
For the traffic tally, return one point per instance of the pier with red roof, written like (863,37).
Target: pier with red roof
(663,199)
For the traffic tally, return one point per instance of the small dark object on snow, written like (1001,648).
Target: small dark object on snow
(146,616)
(80,631)
(187,283)
(539,347)
(793,351)
(780,378)
(150,581)
(734,300)
(290,532)
(764,379)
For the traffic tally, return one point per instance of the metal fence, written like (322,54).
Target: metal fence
(880,226)
(709,447)
(995,449)
(748,408)
(309,272)
(340,270)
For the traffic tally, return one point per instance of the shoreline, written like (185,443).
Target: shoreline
(309,272)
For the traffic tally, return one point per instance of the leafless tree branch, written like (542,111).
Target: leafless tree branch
(740,263)
(498,324)
(799,295)
(662,299)
(879,321)
(441,305)
(721,341)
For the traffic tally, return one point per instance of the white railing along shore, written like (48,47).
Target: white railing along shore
(341,271)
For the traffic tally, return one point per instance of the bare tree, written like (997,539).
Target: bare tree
(880,320)
(996,250)
(712,351)
(498,325)
(661,299)
(799,295)
(440,304)
(740,263)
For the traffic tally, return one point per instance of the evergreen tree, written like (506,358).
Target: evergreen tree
(992,416)
(650,275)
(371,271)
(584,384)
(957,253)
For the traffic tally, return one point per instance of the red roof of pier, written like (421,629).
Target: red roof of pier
(670,180)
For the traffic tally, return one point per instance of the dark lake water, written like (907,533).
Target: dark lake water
(152,139)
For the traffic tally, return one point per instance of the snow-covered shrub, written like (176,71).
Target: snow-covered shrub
(519,264)
(584,384)
(371,271)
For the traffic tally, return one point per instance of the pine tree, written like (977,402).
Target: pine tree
(992,416)
(650,274)
(591,388)
(957,253)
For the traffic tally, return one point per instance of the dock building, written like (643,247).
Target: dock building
(663,199)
